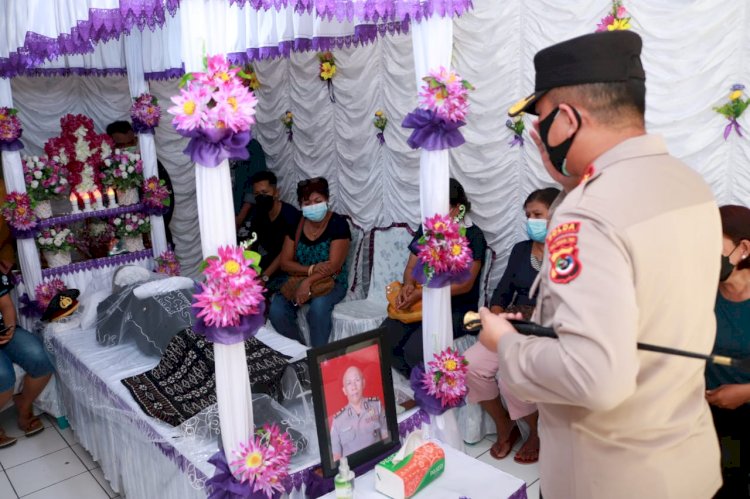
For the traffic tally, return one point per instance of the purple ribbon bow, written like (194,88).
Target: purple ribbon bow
(224,485)
(212,146)
(142,127)
(728,128)
(381,138)
(11,146)
(441,279)
(431,131)
(229,335)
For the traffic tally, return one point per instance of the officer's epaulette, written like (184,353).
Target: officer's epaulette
(372,399)
(340,412)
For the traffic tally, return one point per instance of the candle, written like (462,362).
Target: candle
(98,199)
(74,203)
(111,197)
(86,201)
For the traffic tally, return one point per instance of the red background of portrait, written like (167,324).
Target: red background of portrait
(332,372)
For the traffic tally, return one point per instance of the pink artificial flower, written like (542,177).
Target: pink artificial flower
(263,460)
(190,110)
(446,93)
(445,377)
(622,12)
(235,107)
(604,23)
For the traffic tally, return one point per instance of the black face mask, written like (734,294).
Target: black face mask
(264,203)
(557,153)
(726,266)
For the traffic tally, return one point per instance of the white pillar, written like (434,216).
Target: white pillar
(28,255)
(433,47)
(138,85)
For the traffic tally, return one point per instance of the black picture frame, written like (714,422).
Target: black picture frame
(318,357)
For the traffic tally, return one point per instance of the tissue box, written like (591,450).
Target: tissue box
(405,478)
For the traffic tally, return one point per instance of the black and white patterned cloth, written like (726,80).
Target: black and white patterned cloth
(184,381)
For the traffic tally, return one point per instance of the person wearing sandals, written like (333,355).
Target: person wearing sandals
(23,348)
(512,295)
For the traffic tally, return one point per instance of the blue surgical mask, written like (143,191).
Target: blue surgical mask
(536,228)
(315,212)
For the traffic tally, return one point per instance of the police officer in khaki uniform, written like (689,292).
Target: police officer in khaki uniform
(630,256)
(361,422)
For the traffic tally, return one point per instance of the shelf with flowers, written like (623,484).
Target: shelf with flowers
(123,170)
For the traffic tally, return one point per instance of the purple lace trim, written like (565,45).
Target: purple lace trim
(368,10)
(74,217)
(363,34)
(50,72)
(98,263)
(184,464)
(167,74)
(102,25)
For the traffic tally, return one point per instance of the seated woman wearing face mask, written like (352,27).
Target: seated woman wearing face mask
(313,255)
(728,388)
(270,219)
(512,295)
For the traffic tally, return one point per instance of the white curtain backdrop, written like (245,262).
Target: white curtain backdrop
(693,53)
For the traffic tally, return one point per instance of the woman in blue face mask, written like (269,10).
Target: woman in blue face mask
(512,295)
(313,254)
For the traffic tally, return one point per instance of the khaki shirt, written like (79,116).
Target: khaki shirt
(351,432)
(632,255)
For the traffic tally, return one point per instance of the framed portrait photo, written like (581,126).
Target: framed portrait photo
(355,410)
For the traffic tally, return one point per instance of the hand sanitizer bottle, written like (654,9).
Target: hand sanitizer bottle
(344,482)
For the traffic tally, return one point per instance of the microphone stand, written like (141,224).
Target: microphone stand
(473,323)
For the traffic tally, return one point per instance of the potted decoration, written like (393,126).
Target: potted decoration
(45,179)
(55,243)
(130,228)
(124,171)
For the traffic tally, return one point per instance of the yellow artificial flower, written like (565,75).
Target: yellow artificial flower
(379,113)
(619,25)
(735,95)
(327,70)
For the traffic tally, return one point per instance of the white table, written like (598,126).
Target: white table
(464,476)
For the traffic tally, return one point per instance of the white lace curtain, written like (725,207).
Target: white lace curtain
(693,53)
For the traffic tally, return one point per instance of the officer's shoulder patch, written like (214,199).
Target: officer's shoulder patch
(341,411)
(562,247)
(372,399)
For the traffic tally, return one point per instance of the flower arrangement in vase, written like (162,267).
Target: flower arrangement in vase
(124,171)
(80,151)
(130,227)
(97,237)
(56,242)
(45,180)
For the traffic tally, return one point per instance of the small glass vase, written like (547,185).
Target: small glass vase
(56,258)
(133,243)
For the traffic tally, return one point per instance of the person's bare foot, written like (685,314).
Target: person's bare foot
(27,422)
(503,446)
(5,440)
(529,451)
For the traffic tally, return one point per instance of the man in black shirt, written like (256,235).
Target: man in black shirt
(271,220)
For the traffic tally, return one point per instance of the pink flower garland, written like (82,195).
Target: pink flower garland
(446,93)
(18,211)
(232,289)
(145,113)
(46,290)
(445,378)
(155,196)
(10,130)
(264,460)
(444,247)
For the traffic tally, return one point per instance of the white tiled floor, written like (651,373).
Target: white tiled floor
(50,465)
(527,472)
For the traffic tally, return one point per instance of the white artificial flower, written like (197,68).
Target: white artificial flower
(63,181)
(55,158)
(37,174)
(124,174)
(140,222)
(34,184)
(107,162)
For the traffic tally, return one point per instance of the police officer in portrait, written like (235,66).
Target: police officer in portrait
(630,257)
(361,422)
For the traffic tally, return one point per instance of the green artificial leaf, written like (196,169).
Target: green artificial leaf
(467,85)
(422,240)
(462,231)
(12,111)
(185,78)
